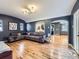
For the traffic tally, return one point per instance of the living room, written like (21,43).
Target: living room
(31,29)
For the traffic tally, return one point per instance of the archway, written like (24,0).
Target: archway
(59,30)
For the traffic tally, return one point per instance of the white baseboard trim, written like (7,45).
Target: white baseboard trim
(71,46)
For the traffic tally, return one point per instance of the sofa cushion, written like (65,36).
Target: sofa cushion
(24,33)
(36,37)
(13,34)
(37,33)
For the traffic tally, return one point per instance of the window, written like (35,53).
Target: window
(1,25)
(29,27)
(21,26)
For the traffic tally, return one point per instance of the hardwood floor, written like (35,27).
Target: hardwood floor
(56,49)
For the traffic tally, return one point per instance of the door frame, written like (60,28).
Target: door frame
(54,27)
(75,31)
(50,29)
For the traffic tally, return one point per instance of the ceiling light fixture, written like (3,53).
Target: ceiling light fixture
(29,9)
(32,8)
(25,11)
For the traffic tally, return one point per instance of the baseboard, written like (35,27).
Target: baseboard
(73,49)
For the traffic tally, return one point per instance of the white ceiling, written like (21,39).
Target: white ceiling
(45,8)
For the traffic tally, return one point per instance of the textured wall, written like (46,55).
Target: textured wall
(6,19)
(48,22)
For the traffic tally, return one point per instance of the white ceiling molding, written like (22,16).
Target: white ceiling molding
(45,8)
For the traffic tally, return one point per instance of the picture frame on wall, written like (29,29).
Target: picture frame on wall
(12,26)
(40,27)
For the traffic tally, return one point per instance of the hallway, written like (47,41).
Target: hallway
(56,49)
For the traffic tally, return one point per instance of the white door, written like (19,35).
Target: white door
(76,31)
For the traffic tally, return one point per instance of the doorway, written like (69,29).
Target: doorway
(56,28)
(59,31)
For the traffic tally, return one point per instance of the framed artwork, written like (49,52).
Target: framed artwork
(21,26)
(1,25)
(12,26)
(40,27)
